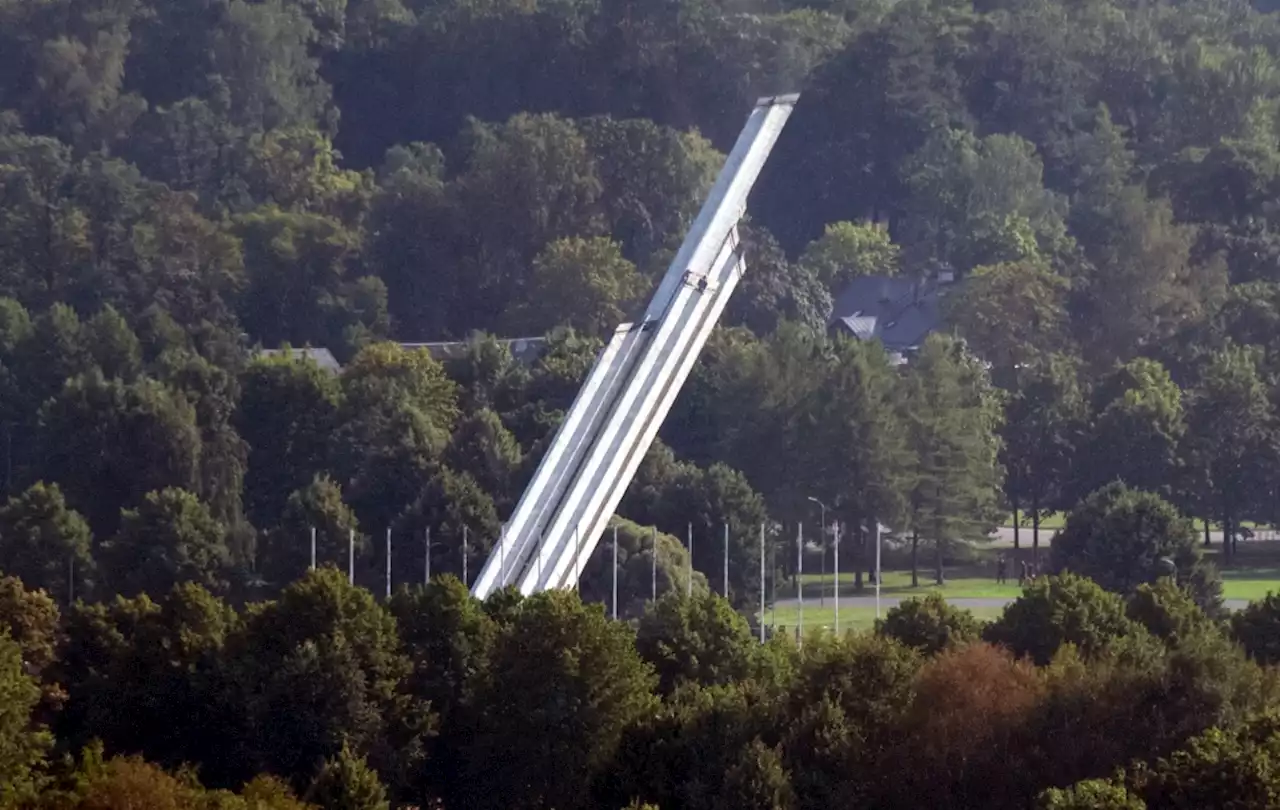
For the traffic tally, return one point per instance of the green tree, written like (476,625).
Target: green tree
(1091,794)
(169,538)
(870,679)
(1045,419)
(347,783)
(22,746)
(412,223)
(398,411)
(639,574)
(287,412)
(113,345)
(1011,314)
(1230,436)
(296,168)
(1057,610)
(482,447)
(45,544)
(774,289)
(527,183)
(213,389)
(449,638)
(582,283)
(699,640)
(848,250)
(566,676)
(32,620)
(322,667)
(1238,762)
(1168,612)
(110,443)
(653,180)
(147,677)
(462,519)
(1255,628)
(977,201)
(1144,279)
(1119,538)
(319,507)
(929,625)
(299,289)
(757,780)
(1138,426)
(856,446)
(260,54)
(953,418)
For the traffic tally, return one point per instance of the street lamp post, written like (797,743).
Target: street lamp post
(836,538)
(876,528)
(822,547)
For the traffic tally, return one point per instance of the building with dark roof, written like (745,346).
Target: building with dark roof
(524,351)
(321,357)
(899,311)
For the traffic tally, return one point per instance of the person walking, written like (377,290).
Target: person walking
(1001,569)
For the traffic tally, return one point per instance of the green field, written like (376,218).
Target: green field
(851,619)
(1056,520)
(1053,520)
(1249,582)
(965,582)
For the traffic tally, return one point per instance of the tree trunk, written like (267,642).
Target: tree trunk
(1228,546)
(938,575)
(1016,526)
(915,556)
(1206,533)
(871,531)
(1035,529)
(859,554)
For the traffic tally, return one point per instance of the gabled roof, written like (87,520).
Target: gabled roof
(321,357)
(523,350)
(898,311)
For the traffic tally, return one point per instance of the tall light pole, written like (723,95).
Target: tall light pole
(876,528)
(822,546)
(689,584)
(836,565)
(800,581)
(726,560)
(762,594)
(653,565)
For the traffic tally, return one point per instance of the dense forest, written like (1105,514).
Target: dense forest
(186,183)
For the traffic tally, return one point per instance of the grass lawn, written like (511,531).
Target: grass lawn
(850,618)
(1251,579)
(1051,521)
(962,582)
(1056,520)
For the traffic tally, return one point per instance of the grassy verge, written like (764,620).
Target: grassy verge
(1053,520)
(1248,582)
(962,582)
(857,619)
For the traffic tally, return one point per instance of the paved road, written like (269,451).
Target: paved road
(1004,536)
(965,602)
